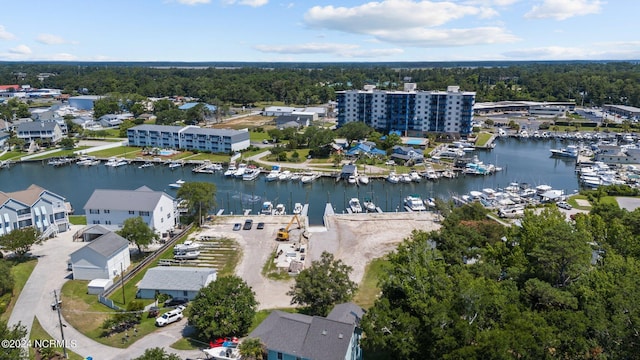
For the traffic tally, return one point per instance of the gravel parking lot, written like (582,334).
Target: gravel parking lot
(356,239)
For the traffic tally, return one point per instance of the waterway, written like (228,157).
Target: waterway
(523,161)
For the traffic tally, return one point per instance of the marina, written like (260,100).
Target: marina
(524,162)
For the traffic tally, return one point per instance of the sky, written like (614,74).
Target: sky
(318,30)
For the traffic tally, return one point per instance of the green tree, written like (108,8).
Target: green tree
(355,131)
(20,240)
(67,143)
(200,198)
(225,307)
(322,285)
(157,353)
(104,106)
(137,232)
(253,349)
(14,333)
(6,278)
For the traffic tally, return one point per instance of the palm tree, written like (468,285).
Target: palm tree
(253,349)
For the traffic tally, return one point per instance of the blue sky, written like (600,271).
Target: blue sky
(319,30)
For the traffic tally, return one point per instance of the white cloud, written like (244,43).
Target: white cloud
(576,53)
(50,39)
(491,2)
(5,35)
(409,22)
(193,2)
(564,9)
(62,57)
(252,3)
(341,50)
(20,50)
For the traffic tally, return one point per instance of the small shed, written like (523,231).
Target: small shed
(349,170)
(98,286)
(102,258)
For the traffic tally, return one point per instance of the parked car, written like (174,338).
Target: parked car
(169,317)
(260,226)
(175,302)
(565,205)
(237,227)
(247,224)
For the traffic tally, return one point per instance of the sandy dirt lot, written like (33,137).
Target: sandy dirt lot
(356,239)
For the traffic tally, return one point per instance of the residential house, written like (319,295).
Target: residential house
(367,148)
(301,337)
(47,132)
(103,258)
(113,207)
(407,153)
(4,136)
(35,206)
(178,282)
(286,121)
(189,138)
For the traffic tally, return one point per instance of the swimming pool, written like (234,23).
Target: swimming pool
(166,152)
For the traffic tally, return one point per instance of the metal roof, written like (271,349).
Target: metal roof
(141,199)
(176,278)
(106,245)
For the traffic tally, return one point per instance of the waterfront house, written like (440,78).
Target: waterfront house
(188,138)
(407,153)
(296,336)
(103,258)
(35,206)
(112,207)
(367,148)
(178,282)
(48,132)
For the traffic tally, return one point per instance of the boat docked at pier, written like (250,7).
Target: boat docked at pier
(177,185)
(571,151)
(354,205)
(308,178)
(267,208)
(231,169)
(251,174)
(273,174)
(116,162)
(393,178)
(297,208)
(369,205)
(280,210)
(414,203)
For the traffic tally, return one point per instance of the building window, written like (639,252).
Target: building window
(279,356)
(184,293)
(96,221)
(107,222)
(132,212)
(94,211)
(106,211)
(143,213)
(168,216)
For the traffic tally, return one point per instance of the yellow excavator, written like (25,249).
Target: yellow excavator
(283,233)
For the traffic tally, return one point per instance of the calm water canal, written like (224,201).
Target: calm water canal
(523,161)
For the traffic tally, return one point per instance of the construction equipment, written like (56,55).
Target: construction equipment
(283,233)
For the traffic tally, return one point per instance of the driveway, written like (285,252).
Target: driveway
(38,294)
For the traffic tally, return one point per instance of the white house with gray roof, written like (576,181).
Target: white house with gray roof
(113,207)
(177,282)
(45,131)
(34,206)
(301,337)
(102,258)
(189,138)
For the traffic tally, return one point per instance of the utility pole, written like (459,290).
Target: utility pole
(57,304)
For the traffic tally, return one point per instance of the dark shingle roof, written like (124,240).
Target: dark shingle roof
(37,126)
(349,313)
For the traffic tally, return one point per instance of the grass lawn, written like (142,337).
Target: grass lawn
(214,158)
(258,136)
(78,219)
(61,153)
(247,154)
(38,333)
(368,289)
(77,305)
(483,138)
(12,155)
(125,151)
(609,200)
(21,272)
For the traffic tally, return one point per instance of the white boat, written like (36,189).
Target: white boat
(352,179)
(415,177)
(115,162)
(363,179)
(280,210)
(354,205)
(405,178)
(267,208)
(242,168)
(175,164)
(369,205)
(146,165)
(86,161)
(295,176)
(187,255)
(186,246)
(231,169)
(274,173)
(414,203)
(177,185)
(297,208)
(393,178)
(285,175)
(308,178)
(571,151)
(223,353)
(430,202)
(251,174)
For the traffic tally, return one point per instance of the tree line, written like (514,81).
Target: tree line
(591,83)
